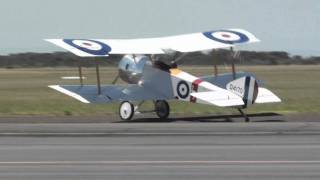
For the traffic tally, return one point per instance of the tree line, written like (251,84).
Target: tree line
(66,59)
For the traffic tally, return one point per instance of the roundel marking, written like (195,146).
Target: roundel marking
(89,46)
(226,36)
(183,89)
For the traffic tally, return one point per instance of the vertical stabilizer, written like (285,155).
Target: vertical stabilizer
(246,87)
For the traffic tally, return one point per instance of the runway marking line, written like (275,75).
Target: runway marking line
(8,163)
(156,133)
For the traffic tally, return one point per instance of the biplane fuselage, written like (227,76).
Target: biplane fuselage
(184,86)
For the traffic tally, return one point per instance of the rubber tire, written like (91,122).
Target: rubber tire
(131,110)
(162,109)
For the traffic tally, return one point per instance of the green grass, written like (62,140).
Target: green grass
(25,91)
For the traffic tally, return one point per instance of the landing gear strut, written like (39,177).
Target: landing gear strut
(162,109)
(244,115)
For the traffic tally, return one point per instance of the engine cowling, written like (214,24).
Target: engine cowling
(131,68)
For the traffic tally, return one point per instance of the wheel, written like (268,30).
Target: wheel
(162,109)
(126,110)
(247,119)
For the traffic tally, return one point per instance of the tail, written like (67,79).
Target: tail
(246,87)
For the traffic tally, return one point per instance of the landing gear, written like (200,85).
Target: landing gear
(126,110)
(162,109)
(244,115)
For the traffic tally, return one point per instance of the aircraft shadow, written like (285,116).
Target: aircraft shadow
(257,117)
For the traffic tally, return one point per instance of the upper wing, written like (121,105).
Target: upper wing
(181,43)
(109,93)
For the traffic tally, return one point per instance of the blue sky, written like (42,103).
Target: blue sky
(289,25)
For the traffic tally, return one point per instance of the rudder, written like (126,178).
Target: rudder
(246,87)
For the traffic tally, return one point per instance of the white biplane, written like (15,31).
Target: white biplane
(157,81)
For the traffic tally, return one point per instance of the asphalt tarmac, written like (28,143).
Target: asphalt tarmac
(151,118)
(183,150)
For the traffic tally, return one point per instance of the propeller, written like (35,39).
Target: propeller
(115,79)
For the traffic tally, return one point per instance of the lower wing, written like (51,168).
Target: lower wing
(109,93)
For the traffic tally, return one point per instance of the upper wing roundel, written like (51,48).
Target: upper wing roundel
(227,36)
(89,46)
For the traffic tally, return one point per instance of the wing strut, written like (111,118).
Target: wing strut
(215,66)
(233,57)
(80,74)
(98,77)
(215,69)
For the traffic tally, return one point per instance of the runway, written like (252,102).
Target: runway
(277,150)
